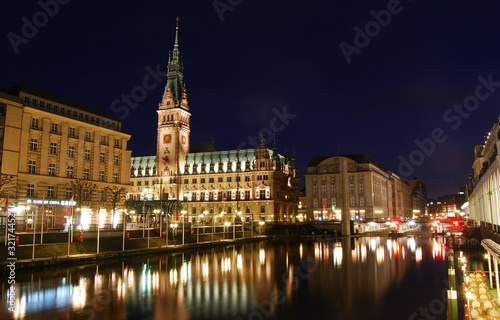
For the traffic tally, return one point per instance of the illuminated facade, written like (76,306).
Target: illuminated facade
(49,142)
(483,187)
(209,184)
(354,187)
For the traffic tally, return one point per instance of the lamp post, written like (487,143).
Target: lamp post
(174,229)
(261,223)
(226,225)
(187,214)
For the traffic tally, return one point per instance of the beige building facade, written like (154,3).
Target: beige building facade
(354,187)
(50,141)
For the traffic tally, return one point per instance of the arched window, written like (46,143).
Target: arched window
(220,209)
(263,209)
(211,209)
(194,210)
(229,210)
(247,210)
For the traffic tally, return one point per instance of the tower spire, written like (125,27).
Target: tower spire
(176,44)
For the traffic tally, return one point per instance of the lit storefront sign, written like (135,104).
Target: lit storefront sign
(52,202)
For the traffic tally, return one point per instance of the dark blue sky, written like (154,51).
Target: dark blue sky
(241,72)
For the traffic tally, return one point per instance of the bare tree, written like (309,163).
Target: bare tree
(115,196)
(83,191)
(5,185)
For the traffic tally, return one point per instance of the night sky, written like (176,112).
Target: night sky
(259,66)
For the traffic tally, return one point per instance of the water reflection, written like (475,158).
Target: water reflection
(281,279)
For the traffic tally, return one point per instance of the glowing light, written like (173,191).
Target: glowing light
(262,256)
(79,297)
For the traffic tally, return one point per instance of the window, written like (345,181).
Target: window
(30,190)
(70,172)
(87,154)
(315,190)
(80,116)
(69,193)
(262,194)
(115,177)
(351,178)
(53,148)
(102,157)
(361,201)
(352,202)
(86,173)
(27,100)
(315,203)
(52,169)
(56,108)
(351,189)
(361,188)
(34,101)
(193,181)
(86,194)
(146,183)
(186,181)
(323,189)
(323,179)
(103,139)
(360,178)
(202,180)
(71,132)
(62,109)
(210,180)
(42,104)
(247,194)
(131,183)
(88,135)
(117,143)
(263,209)
(54,128)
(50,191)
(32,166)
(333,179)
(220,179)
(334,201)
(33,144)
(139,183)
(333,189)
(101,175)
(86,117)
(228,179)
(315,179)
(247,178)
(71,152)
(34,123)
(238,179)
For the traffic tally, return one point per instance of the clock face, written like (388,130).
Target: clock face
(183,139)
(167,138)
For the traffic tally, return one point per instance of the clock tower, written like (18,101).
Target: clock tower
(173,125)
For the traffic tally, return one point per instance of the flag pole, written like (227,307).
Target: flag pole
(34,235)
(41,227)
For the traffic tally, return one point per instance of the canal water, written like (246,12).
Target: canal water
(356,278)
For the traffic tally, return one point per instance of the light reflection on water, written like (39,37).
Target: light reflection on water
(358,278)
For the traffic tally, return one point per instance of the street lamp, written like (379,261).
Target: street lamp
(174,230)
(261,223)
(226,224)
